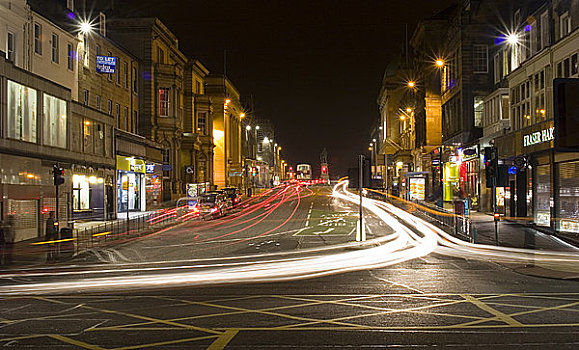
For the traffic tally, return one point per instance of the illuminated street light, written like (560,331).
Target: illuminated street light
(257,127)
(409,110)
(242,115)
(373,140)
(411,84)
(402,117)
(440,63)
(85,27)
(513,39)
(248,127)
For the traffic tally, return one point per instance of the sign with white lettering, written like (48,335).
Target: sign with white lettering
(106,64)
(538,137)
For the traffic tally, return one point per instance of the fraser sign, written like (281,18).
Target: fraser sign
(538,137)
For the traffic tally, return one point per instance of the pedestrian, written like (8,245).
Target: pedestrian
(51,235)
(9,237)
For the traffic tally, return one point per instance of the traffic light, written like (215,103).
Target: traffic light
(491,166)
(58,174)
(324,169)
(254,171)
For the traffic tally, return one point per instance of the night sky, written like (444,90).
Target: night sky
(313,67)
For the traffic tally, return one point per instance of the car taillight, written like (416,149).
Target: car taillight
(235,200)
(214,209)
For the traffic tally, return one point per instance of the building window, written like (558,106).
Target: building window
(565,24)
(10,47)
(480,59)
(55,51)
(37,38)
(160,56)
(22,109)
(545,29)
(202,123)
(70,4)
(135,80)
(54,123)
(85,97)
(478,111)
(70,57)
(102,24)
(110,107)
(574,66)
(86,54)
(566,68)
(498,67)
(118,114)
(126,71)
(98,102)
(98,50)
(110,76)
(164,102)
(118,71)
(560,70)
(197,87)
(135,121)
(127,126)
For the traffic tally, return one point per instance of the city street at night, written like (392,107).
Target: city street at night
(258,174)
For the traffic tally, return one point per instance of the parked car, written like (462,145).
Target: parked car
(233,193)
(211,204)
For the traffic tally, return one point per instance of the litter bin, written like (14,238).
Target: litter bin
(66,247)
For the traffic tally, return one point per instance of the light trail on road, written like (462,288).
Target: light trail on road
(400,246)
(412,237)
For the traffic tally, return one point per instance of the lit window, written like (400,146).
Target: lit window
(164,102)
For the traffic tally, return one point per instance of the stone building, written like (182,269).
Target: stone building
(226,128)
(162,86)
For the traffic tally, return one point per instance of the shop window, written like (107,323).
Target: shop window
(54,123)
(80,192)
(568,193)
(22,109)
(542,196)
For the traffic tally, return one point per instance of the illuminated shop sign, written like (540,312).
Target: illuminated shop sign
(539,137)
(106,64)
(149,168)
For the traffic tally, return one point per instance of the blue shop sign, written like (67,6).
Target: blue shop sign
(106,64)
(150,168)
(167,167)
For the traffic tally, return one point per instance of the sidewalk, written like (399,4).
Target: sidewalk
(516,235)
(86,225)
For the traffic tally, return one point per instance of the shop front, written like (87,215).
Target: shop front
(469,170)
(153,185)
(131,183)
(91,197)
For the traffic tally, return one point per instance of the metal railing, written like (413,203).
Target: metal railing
(118,230)
(457,225)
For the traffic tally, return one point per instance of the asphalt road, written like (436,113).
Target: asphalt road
(430,301)
(285,219)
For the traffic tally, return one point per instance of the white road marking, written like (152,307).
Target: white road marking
(309,214)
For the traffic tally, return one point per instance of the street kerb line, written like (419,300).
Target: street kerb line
(146,318)
(498,314)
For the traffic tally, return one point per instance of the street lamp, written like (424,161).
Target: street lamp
(440,63)
(248,127)
(85,27)
(411,84)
